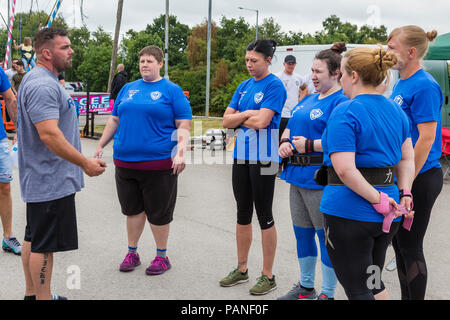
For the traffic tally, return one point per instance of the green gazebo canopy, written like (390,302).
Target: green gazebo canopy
(440,48)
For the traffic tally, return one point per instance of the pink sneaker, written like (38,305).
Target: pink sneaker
(158,266)
(130,262)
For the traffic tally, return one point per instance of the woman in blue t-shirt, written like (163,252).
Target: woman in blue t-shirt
(365,143)
(150,124)
(420,96)
(301,148)
(256,110)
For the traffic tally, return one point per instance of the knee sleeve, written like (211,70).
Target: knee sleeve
(306,245)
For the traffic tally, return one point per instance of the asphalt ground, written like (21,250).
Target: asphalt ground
(201,248)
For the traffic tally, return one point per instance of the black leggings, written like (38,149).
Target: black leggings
(408,245)
(252,184)
(357,251)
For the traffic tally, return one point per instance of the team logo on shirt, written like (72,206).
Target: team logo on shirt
(155,95)
(398,100)
(258,97)
(70,103)
(315,113)
(131,93)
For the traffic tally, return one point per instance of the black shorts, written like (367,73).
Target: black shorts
(152,191)
(52,225)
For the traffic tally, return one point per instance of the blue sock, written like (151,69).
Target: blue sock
(132,249)
(307,255)
(161,253)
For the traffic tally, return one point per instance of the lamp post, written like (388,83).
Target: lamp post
(208,59)
(166,42)
(257,12)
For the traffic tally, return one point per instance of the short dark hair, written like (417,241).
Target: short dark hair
(266,47)
(45,35)
(154,51)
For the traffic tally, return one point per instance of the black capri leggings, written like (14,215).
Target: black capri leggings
(408,245)
(252,184)
(357,251)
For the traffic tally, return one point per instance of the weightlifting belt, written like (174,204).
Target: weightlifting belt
(306,160)
(378,177)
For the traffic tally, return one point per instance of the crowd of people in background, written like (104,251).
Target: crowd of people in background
(363,168)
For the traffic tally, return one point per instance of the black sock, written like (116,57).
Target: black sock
(29,298)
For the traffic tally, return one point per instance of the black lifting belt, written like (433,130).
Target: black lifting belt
(379,177)
(306,160)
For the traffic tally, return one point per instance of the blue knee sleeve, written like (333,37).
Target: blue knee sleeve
(323,250)
(306,243)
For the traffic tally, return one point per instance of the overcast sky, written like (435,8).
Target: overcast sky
(295,15)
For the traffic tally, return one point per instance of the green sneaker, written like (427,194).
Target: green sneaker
(233,278)
(263,285)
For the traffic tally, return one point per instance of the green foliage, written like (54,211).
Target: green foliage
(96,55)
(178,34)
(187,50)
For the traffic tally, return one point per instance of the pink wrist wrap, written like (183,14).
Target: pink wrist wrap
(388,212)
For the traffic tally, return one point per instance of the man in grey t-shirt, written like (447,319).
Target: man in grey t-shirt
(50,161)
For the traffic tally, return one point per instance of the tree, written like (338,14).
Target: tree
(197,42)
(272,30)
(178,35)
(79,38)
(96,60)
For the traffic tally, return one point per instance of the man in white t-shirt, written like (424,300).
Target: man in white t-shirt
(292,82)
(11,72)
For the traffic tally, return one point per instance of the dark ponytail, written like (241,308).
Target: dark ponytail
(266,47)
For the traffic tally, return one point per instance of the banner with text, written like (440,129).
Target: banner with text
(97,103)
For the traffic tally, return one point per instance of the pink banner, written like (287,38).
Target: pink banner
(97,103)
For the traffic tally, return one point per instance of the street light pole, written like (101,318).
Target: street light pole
(257,13)
(208,60)
(166,46)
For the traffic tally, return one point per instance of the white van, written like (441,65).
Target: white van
(305,54)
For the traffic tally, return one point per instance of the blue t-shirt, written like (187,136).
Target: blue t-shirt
(374,128)
(4,85)
(269,93)
(420,96)
(147,112)
(309,119)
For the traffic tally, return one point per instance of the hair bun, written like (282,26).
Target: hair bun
(384,60)
(432,35)
(339,47)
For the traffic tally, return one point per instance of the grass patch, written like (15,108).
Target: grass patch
(204,124)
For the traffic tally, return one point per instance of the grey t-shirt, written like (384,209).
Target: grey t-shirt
(43,175)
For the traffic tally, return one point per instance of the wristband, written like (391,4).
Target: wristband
(383,207)
(405,193)
(285,140)
(309,146)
